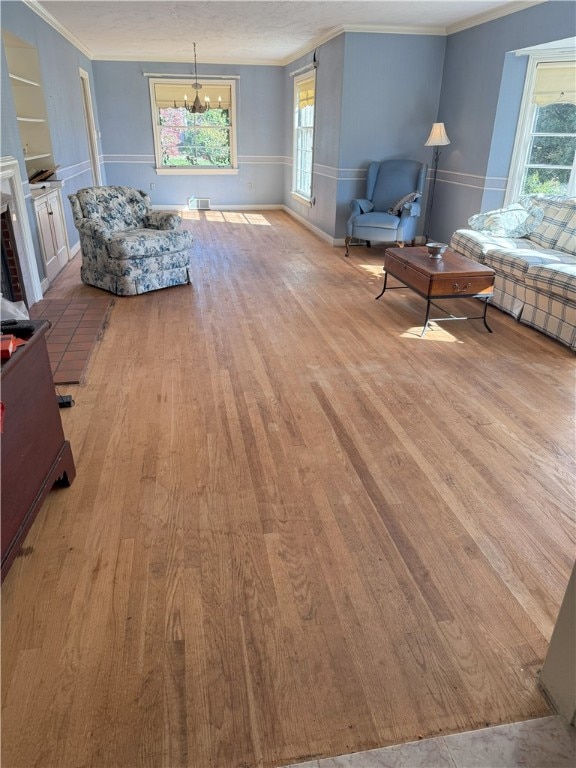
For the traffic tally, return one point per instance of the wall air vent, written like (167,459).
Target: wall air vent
(199,204)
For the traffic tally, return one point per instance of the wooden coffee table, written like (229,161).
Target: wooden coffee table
(452,276)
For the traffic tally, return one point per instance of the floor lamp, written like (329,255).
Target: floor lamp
(438,138)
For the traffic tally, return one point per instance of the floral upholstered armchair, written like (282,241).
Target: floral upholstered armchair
(127,248)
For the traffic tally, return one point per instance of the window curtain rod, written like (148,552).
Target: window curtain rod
(188,75)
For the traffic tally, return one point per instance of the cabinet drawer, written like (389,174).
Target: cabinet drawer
(462,286)
(409,276)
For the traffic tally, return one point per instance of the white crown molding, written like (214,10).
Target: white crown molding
(373,28)
(497,13)
(384,29)
(49,19)
(143,58)
(331,34)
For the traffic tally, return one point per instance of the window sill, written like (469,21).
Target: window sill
(308,201)
(197,171)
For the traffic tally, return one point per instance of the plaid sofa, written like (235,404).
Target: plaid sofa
(127,248)
(535,278)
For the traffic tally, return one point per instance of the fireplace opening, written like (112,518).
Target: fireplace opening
(12,283)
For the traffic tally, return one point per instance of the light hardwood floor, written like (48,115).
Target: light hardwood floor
(297,529)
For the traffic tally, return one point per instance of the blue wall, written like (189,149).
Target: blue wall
(390,96)
(377,97)
(123,96)
(480,101)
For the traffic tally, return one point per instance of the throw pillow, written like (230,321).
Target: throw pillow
(556,215)
(567,240)
(397,207)
(512,221)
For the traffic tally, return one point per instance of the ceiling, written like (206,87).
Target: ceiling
(248,32)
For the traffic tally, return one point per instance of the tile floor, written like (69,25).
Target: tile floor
(76,324)
(546,742)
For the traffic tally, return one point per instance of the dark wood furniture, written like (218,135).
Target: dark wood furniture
(452,276)
(35,454)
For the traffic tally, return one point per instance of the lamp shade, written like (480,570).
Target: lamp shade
(438,136)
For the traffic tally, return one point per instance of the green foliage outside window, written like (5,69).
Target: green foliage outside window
(552,150)
(189,139)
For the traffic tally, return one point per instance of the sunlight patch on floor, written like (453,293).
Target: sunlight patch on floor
(236,217)
(373,269)
(192,215)
(257,219)
(214,216)
(433,333)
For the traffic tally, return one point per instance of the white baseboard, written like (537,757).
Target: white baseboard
(74,250)
(321,234)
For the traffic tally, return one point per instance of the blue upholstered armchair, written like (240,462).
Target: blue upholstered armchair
(127,248)
(389,213)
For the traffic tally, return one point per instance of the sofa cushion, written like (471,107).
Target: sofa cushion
(555,279)
(475,245)
(377,220)
(513,221)
(518,262)
(148,242)
(567,240)
(557,213)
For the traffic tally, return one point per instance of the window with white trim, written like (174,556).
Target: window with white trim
(544,158)
(194,142)
(303,157)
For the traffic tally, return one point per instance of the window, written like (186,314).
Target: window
(188,142)
(544,159)
(304,98)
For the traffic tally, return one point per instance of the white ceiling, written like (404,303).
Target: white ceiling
(248,32)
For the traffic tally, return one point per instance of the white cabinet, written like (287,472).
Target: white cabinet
(52,232)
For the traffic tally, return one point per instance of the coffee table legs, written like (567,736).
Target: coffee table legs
(429,304)
(482,317)
(384,286)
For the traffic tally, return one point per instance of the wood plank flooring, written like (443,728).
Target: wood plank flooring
(297,529)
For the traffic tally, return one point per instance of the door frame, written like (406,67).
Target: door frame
(90,126)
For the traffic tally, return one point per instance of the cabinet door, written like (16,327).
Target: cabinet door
(49,256)
(52,230)
(58,229)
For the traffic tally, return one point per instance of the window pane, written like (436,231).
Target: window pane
(552,150)
(546,181)
(195,146)
(304,135)
(556,118)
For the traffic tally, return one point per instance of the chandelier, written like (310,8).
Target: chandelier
(197,107)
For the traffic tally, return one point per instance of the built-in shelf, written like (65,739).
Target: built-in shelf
(29,103)
(23,80)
